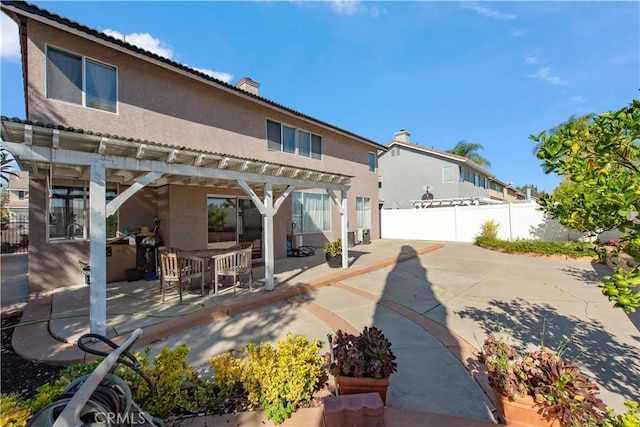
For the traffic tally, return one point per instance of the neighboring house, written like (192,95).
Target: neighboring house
(410,172)
(116,137)
(498,190)
(17,189)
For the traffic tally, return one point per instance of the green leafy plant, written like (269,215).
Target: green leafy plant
(178,386)
(367,354)
(278,378)
(560,390)
(630,418)
(13,411)
(571,249)
(599,156)
(334,248)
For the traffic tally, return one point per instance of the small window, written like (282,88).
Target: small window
(316,147)
(477,181)
(372,162)
(363,212)
(447,174)
(274,136)
(79,80)
(23,195)
(304,141)
(288,139)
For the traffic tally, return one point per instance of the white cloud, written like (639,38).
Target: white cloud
(345,7)
(220,75)
(578,99)
(145,41)
(547,75)
(517,32)
(9,42)
(486,11)
(534,60)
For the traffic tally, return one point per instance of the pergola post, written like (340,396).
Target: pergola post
(344,224)
(269,258)
(98,255)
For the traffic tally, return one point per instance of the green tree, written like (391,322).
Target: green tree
(470,151)
(534,190)
(6,169)
(601,157)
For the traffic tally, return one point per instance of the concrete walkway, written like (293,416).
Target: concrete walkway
(435,302)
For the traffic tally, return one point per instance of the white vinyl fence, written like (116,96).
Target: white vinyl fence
(517,220)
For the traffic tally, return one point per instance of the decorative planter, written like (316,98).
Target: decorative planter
(522,412)
(353,385)
(334,261)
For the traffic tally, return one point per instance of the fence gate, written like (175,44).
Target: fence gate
(14,236)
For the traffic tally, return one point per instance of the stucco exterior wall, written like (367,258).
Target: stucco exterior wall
(405,175)
(159,105)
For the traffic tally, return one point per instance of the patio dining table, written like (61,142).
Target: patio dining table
(206,256)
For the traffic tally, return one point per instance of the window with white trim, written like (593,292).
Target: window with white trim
(281,137)
(363,212)
(80,80)
(311,212)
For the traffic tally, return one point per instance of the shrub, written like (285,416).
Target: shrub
(13,412)
(631,418)
(276,377)
(178,386)
(571,249)
(489,228)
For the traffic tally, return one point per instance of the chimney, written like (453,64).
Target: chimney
(402,135)
(248,85)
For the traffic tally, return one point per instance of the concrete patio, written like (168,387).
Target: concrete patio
(435,301)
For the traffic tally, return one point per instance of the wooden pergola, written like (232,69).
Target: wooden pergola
(58,152)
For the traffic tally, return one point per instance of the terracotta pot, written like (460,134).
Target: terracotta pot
(334,261)
(522,412)
(353,385)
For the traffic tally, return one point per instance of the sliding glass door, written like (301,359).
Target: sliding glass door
(232,220)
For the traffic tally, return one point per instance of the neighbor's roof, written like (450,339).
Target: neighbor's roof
(42,15)
(456,158)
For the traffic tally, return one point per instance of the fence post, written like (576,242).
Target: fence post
(510,221)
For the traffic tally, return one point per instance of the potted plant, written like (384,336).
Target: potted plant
(363,363)
(333,253)
(539,388)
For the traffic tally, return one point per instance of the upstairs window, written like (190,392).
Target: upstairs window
(281,137)
(372,162)
(447,174)
(80,80)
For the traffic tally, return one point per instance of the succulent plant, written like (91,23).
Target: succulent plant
(561,391)
(368,354)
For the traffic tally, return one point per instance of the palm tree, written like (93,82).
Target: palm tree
(6,168)
(470,151)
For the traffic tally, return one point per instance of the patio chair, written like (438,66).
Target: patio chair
(234,263)
(178,270)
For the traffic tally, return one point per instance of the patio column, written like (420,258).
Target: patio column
(341,205)
(98,251)
(268,235)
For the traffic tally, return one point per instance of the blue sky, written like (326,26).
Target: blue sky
(490,73)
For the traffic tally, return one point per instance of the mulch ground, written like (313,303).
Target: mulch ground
(18,375)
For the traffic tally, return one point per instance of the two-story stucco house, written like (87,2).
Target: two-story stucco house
(410,172)
(117,138)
